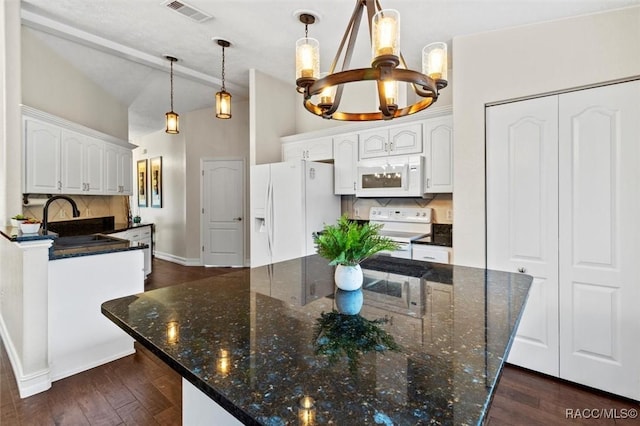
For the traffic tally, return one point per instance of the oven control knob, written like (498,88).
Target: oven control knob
(424,214)
(418,214)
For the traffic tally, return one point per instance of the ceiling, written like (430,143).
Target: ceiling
(120,44)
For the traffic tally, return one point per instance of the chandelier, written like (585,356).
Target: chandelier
(322,93)
(172,118)
(223,98)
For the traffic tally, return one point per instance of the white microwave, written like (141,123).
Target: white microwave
(400,176)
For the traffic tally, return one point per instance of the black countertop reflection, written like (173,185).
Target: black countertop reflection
(246,340)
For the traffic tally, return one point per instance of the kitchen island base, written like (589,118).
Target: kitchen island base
(198,409)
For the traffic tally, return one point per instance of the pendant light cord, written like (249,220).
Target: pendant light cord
(171,85)
(223,88)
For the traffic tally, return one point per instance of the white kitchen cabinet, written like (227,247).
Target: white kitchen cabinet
(320,149)
(392,140)
(562,206)
(118,170)
(43,143)
(438,152)
(345,151)
(141,234)
(82,164)
(64,157)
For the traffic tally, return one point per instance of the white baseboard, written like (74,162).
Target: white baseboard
(177,259)
(30,384)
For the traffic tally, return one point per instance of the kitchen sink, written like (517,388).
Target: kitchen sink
(87,243)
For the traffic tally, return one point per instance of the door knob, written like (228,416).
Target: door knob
(522,270)
(237,219)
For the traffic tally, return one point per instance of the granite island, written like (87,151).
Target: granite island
(246,343)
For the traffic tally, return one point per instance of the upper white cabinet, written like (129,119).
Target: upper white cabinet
(438,153)
(345,152)
(563,206)
(312,150)
(82,164)
(61,157)
(118,170)
(42,150)
(394,140)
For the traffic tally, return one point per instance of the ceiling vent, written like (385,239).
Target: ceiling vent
(188,11)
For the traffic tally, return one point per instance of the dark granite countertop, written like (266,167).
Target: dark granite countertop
(246,339)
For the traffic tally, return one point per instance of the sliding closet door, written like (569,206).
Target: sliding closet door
(522,218)
(599,277)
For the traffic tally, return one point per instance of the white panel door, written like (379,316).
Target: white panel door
(93,163)
(599,234)
(223,213)
(438,135)
(405,139)
(522,219)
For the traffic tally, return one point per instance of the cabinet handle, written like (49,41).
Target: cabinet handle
(390,146)
(522,270)
(428,183)
(354,186)
(428,257)
(386,146)
(88,187)
(59,185)
(237,219)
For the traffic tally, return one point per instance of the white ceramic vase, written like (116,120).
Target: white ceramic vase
(348,277)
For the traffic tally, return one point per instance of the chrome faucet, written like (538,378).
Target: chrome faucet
(45,213)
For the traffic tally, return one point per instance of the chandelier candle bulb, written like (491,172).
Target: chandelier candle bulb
(434,60)
(386,33)
(307,58)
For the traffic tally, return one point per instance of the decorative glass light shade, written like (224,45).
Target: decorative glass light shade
(307,58)
(173,121)
(434,60)
(385,34)
(327,95)
(223,104)
(391,91)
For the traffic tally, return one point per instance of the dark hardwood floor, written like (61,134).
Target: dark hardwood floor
(141,390)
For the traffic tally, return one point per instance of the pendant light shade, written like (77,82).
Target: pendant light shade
(172,118)
(223,98)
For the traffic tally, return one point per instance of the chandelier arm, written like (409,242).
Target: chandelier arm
(371,11)
(340,78)
(355,20)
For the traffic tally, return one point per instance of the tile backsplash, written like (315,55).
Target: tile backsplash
(358,208)
(89,206)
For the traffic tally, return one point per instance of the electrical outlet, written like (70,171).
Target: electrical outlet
(356,212)
(449,214)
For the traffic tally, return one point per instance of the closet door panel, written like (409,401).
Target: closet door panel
(599,210)
(522,227)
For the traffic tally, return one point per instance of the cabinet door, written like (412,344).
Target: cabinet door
(345,149)
(93,166)
(111,185)
(72,162)
(292,151)
(320,149)
(42,152)
(522,219)
(438,135)
(125,171)
(374,143)
(405,139)
(599,209)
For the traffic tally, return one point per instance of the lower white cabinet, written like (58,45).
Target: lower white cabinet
(141,234)
(429,253)
(563,206)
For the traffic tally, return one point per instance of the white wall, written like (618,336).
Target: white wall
(170,220)
(272,115)
(53,85)
(525,61)
(10,151)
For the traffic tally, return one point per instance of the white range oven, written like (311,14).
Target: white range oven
(402,225)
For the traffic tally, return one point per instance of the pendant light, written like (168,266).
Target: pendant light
(171,117)
(223,98)
(387,68)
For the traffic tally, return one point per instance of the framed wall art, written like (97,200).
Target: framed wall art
(142,184)
(156,181)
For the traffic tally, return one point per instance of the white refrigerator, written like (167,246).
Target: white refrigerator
(289,202)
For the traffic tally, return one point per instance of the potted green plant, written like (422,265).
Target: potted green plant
(346,244)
